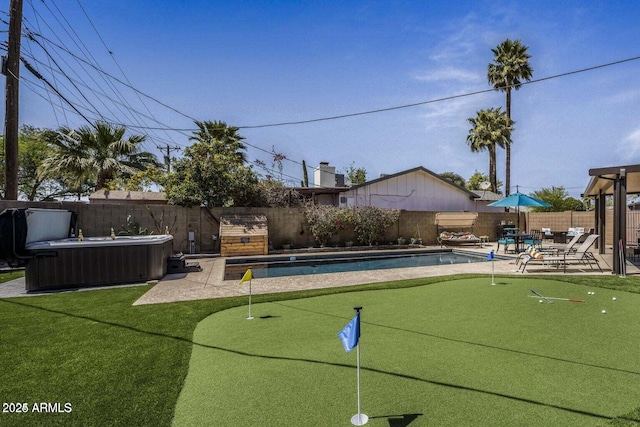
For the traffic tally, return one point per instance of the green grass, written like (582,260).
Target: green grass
(123,365)
(457,353)
(10,275)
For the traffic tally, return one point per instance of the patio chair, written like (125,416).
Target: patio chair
(535,240)
(572,231)
(567,249)
(581,256)
(548,235)
(506,241)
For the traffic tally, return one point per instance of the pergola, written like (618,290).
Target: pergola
(617,181)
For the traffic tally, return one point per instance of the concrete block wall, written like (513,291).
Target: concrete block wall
(560,221)
(286,224)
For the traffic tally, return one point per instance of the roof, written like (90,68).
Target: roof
(602,179)
(471,194)
(486,195)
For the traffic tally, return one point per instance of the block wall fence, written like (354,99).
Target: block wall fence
(287,224)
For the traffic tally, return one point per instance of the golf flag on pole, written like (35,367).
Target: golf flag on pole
(491,258)
(247,277)
(350,338)
(350,334)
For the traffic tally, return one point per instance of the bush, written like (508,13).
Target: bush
(325,221)
(370,223)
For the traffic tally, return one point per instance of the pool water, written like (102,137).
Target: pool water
(317,264)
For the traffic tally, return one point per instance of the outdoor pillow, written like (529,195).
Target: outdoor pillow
(534,253)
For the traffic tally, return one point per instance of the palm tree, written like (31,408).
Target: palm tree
(99,153)
(224,138)
(509,68)
(490,128)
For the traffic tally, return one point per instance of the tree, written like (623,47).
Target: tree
(276,162)
(224,138)
(454,178)
(212,171)
(490,128)
(356,175)
(559,200)
(273,194)
(144,180)
(510,66)
(33,150)
(99,154)
(474,182)
(305,175)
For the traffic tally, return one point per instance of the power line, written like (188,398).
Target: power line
(39,76)
(128,85)
(404,106)
(432,101)
(117,64)
(328,118)
(116,102)
(286,123)
(121,104)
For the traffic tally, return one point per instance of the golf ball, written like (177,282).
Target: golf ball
(540,301)
(604,311)
(614,298)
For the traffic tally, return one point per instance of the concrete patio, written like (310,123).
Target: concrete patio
(209,283)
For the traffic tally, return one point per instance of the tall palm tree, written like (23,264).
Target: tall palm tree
(490,128)
(509,68)
(99,153)
(224,138)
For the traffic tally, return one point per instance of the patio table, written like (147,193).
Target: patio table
(519,239)
(559,236)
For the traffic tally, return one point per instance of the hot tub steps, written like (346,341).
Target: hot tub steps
(177,264)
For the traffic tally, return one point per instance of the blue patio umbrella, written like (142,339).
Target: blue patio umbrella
(518,199)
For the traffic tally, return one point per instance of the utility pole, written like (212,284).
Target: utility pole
(167,157)
(11,69)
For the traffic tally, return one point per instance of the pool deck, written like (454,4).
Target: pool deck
(209,283)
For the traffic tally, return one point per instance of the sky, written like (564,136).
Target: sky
(156,66)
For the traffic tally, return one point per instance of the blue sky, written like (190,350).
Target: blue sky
(255,63)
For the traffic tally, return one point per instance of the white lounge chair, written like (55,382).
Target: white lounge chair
(581,256)
(569,248)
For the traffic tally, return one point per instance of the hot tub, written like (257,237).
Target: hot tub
(69,263)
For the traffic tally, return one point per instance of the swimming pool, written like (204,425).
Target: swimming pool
(299,265)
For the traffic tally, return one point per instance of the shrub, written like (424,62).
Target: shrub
(325,221)
(370,223)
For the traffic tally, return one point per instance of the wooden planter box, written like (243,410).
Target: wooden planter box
(242,235)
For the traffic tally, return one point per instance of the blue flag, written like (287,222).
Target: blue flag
(350,334)
(490,256)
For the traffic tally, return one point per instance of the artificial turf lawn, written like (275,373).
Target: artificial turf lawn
(452,353)
(119,364)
